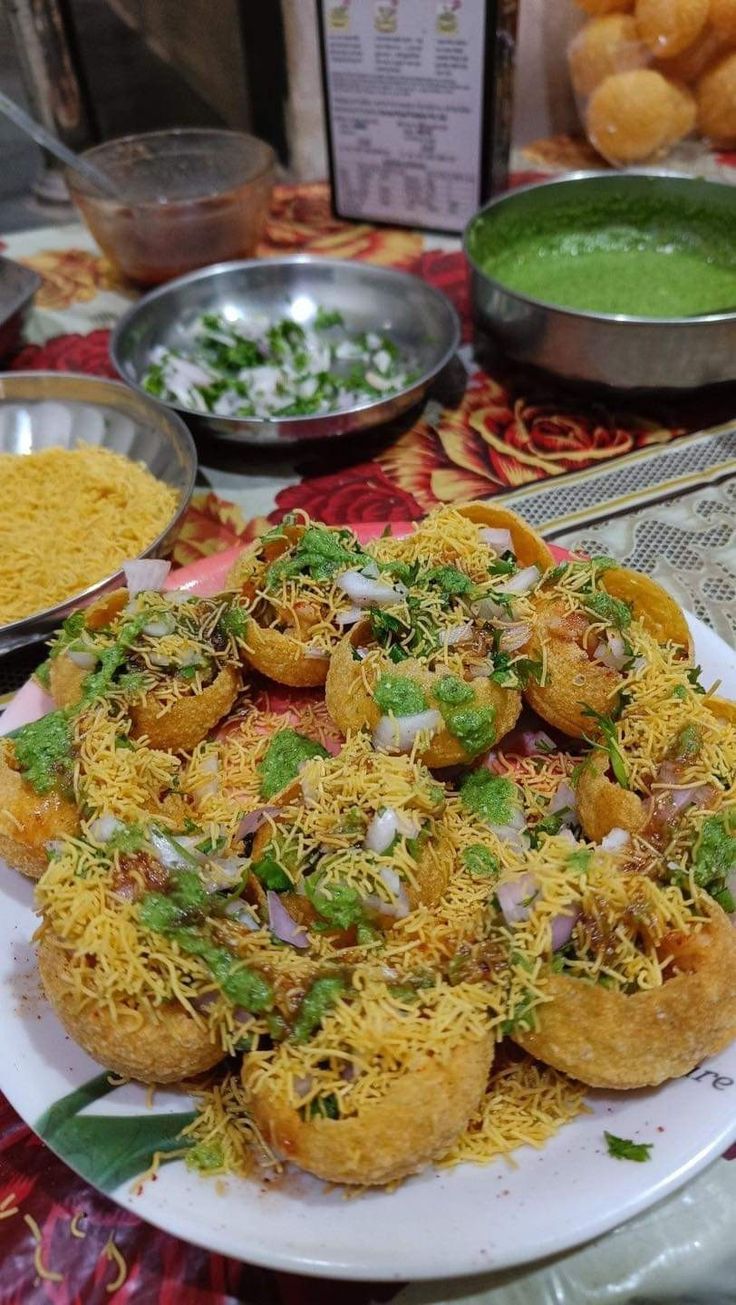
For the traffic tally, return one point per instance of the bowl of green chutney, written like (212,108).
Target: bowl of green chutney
(619,279)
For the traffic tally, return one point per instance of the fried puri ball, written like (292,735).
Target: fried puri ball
(692,63)
(180,727)
(279,655)
(638,115)
(29,820)
(596,7)
(604,805)
(658,612)
(574,680)
(669,26)
(605,45)
(716,100)
(416,1121)
(723,19)
(164,1045)
(611,1039)
(352,708)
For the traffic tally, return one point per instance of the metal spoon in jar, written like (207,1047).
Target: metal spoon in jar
(56,147)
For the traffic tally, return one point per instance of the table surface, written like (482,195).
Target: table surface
(653,483)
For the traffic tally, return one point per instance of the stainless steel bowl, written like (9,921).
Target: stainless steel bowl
(420,320)
(629,353)
(40,410)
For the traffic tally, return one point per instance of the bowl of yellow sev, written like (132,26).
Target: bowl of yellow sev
(92,475)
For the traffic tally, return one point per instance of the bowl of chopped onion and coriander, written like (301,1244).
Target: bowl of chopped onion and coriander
(287,349)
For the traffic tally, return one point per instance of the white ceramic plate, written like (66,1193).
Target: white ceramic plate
(439,1224)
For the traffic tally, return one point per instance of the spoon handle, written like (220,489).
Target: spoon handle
(56,147)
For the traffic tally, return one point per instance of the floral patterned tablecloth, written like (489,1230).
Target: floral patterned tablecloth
(581,466)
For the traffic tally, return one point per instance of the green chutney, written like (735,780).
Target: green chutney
(649,260)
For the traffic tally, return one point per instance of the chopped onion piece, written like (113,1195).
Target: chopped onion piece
(514,636)
(480,670)
(561,927)
(615,840)
(146,575)
(565,799)
(349,616)
(408,826)
(170,851)
(367,592)
(497,538)
(381,831)
(398,733)
(240,911)
(311,651)
(223,872)
(102,829)
(489,610)
(281,924)
(163,623)
(253,821)
(611,652)
(85,660)
(516,898)
(522,582)
(455,634)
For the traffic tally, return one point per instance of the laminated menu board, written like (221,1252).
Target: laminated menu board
(418,102)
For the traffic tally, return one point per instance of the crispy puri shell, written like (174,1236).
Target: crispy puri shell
(529,547)
(28,820)
(189,720)
(283,658)
(276,655)
(418,1120)
(572,681)
(657,610)
(164,1046)
(65,677)
(609,1039)
(604,805)
(352,708)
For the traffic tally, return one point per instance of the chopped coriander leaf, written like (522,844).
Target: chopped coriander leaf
(622,1148)
(503,566)
(315,1004)
(399,695)
(326,1107)
(234,621)
(604,607)
(286,753)
(607,727)
(131,838)
(550,824)
(71,629)
(479,862)
(492,797)
(693,676)
(449,579)
(271,873)
(680,692)
(324,318)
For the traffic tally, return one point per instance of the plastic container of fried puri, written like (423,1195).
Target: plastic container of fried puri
(649,73)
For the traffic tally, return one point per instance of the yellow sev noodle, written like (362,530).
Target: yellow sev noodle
(71,517)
